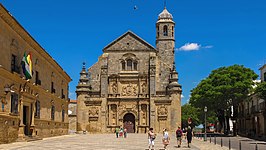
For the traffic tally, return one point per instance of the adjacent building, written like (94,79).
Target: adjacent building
(252,114)
(72,116)
(33,104)
(132,85)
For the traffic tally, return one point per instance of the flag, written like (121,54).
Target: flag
(27,66)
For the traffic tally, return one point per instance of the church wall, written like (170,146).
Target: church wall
(95,75)
(144,96)
(114,61)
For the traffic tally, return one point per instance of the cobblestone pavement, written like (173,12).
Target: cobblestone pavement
(105,142)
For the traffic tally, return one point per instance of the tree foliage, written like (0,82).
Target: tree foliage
(189,111)
(223,88)
(261,90)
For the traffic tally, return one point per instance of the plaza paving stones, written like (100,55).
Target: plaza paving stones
(105,142)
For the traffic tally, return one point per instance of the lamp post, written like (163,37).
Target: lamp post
(205,135)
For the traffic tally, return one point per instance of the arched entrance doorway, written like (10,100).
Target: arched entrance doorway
(129,122)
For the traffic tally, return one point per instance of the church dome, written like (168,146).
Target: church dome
(165,15)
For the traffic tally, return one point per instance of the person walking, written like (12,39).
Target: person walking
(117,132)
(125,132)
(179,134)
(121,132)
(166,138)
(189,136)
(151,138)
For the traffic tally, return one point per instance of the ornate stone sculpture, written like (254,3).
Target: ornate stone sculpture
(162,110)
(114,88)
(143,88)
(94,111)
(129,90)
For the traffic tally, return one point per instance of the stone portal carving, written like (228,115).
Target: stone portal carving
(93,113)
(113,114)
(114,88)
(143,112)
(129,90)
(162,110)
(143,87)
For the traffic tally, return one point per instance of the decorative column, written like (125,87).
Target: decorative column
(32,126)
(21,125)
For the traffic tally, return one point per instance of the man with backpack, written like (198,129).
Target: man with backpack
(179,134)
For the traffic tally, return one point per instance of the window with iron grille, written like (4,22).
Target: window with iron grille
(14,103)
(37,109)
(52,112)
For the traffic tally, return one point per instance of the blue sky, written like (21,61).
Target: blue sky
(209,33)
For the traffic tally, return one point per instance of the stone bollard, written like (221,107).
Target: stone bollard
(229,142)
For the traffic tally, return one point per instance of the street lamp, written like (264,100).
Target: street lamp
(205,135)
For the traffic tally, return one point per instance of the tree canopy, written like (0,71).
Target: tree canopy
(261,90)
(189,111)
(223,88)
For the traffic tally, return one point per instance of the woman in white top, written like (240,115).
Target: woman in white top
(166,138)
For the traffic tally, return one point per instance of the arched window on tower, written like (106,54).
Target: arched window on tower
(123,65)
(165,30)
(129,64)
(158,33)
(135,65)
(172,31)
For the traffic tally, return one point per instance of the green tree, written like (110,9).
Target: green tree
(223,88)
(189,111)
(261,90)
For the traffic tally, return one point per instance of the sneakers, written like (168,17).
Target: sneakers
(178,146)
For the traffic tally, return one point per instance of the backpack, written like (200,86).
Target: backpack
(178,133)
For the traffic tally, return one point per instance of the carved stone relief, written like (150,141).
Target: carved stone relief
(94,111)
(143,87)
(129,90)
(127,108)
(143,114)
(113,114)
(114,88)
(162,110)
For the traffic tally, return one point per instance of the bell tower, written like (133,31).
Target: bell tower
(165,44)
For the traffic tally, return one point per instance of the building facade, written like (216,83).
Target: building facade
(133,85)
(252,114)
(38,106)
(72,116)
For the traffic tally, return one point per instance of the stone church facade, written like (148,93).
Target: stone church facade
(133,85)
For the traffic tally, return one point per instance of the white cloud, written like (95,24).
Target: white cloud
(190,47)
(193,47)
(182,96)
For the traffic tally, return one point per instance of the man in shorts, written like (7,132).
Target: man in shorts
(179,134)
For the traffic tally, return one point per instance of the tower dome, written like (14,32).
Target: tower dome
(165,15)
